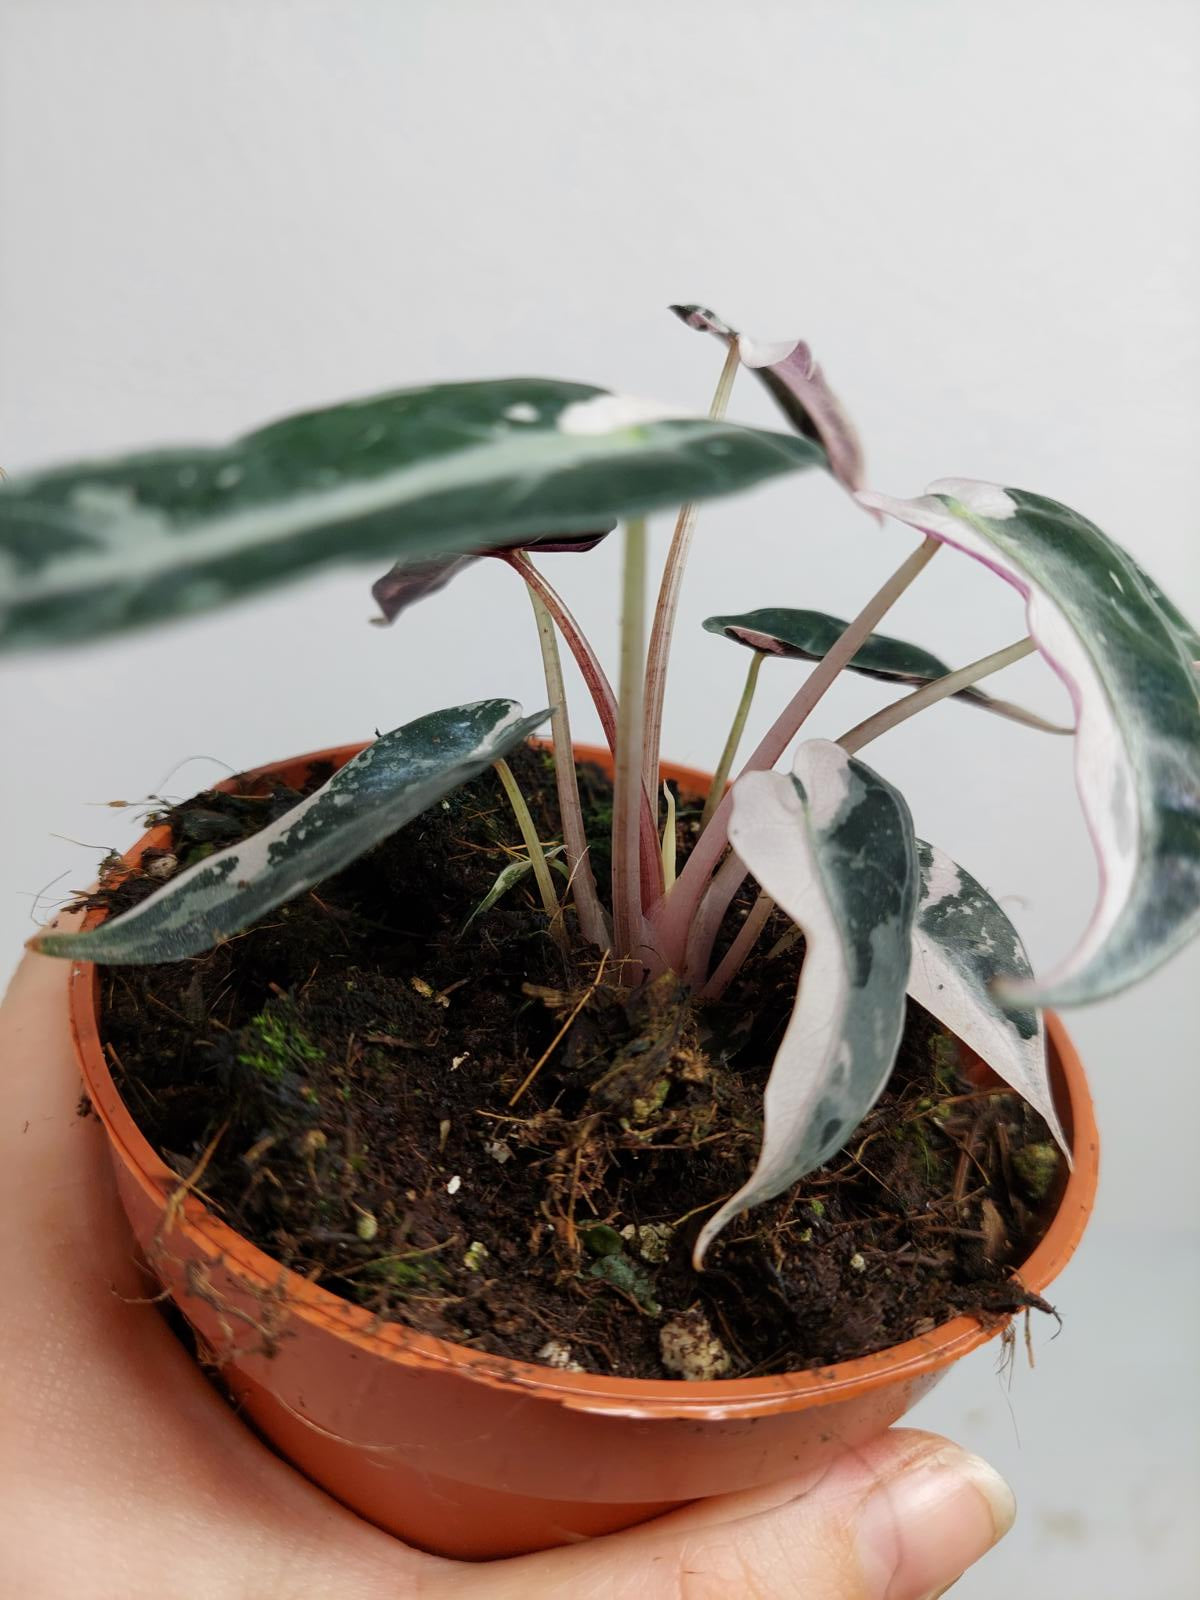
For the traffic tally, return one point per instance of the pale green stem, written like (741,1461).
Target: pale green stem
(658,656)
(603,698)
(731,962)
(669,840)
(725,765)
(533,845)
(582,880)
(628,926)
(930,693)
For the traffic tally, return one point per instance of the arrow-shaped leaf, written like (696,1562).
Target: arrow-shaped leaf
(832,844)
(99,546)
(797,385)
(383,787)
(962,942)
(1137,702)
(809,635)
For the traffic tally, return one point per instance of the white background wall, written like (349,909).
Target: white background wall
(983,217)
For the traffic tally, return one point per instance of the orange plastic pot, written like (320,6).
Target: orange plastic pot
(471,1455)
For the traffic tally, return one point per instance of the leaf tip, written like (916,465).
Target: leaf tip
(702,319)
(716,1224)
(700,1248)
(872,500)
(48,943)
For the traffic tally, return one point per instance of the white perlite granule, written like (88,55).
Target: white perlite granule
(690,1348)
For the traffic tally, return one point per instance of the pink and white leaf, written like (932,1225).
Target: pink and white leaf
(832,844)
(1125,661)
(789,371)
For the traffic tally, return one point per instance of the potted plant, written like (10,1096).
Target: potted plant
(537,1136)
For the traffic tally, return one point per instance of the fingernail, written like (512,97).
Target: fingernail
(921,1529)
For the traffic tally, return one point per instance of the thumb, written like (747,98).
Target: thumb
(899,1518)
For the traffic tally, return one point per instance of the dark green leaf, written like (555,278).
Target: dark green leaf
(809,635)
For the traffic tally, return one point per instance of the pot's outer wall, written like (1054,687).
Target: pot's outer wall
(473,1456)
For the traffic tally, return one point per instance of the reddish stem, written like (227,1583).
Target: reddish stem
(671,919)
(734,958)
(605,702)
(586,660)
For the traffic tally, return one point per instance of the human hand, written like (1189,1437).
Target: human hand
(123,1476)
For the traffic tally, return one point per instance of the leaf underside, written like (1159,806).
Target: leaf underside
(791,376)
(407,582)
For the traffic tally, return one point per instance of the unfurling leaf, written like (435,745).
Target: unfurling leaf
(809,635)
(832,844)
(449,470)
(406,582)
(798,387)
(963,942)
(507,878)
(1122,651)
(383,787)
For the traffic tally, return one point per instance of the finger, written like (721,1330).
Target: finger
(110,1427)
(897,1519)
(122,1472)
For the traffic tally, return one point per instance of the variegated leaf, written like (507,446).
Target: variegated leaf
(1137,702)
(1187,635)
(809,635)
(98,546)
(832,844)
(383,787)
(797,385)
(962,942)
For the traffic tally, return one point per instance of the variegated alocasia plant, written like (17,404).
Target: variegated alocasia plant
(429,480)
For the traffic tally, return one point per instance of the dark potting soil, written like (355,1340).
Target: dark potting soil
(350,1072)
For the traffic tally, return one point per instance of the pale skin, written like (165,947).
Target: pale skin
(123,1475)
